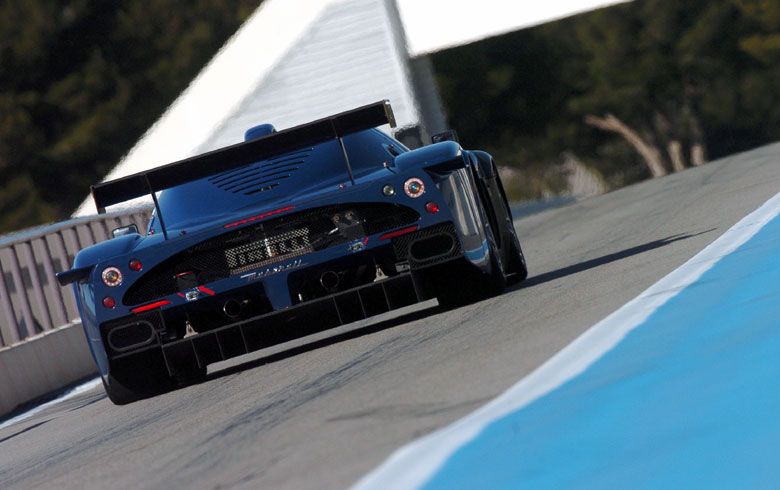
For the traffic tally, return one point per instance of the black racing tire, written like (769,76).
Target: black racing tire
(478,285)
(121,394)
(516,266)
(496,281)
(460,286)
(136,378)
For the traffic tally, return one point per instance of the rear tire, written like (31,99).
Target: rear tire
(518,270)
(118,394)
(137,377)
(461,286)
(453,292)
(495,283)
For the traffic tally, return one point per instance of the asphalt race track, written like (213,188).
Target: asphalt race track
(322,415)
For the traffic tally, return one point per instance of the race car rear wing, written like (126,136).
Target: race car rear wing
(194,168)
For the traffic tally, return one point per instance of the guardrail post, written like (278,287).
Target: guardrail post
(88,238)
(71,239)
(35,279)
(21,292)
(58,245)
(11,331)
(98,229)
(58,305)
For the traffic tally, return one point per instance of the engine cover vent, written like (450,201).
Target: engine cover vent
(260,176)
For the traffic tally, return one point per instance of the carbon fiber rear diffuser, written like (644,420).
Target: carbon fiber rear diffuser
(293,323)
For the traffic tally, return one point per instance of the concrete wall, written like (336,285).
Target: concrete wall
(43,364)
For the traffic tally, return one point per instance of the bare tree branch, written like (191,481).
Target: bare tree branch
(650,154)
(698,155)
(675,150)
(698,147)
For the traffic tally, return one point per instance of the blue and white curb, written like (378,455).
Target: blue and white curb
(430,461)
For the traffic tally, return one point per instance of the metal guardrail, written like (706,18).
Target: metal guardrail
(31,300)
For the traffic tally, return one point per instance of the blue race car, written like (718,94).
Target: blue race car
(287,234)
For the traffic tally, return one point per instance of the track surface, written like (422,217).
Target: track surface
(321,417)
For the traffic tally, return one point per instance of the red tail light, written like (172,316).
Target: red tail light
(397,233)
(151,306)
(259,216)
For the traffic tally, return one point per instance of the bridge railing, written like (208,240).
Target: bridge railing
(31,300)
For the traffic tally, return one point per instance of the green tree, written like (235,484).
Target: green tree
(635,90)
(81,80)
(764,43)
(500,94)
(651,67)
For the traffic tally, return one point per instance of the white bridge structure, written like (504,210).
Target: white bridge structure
(297,60)
(292,61)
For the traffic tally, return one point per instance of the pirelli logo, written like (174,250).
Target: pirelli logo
(268,250)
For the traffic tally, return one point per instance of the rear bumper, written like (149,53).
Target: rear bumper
(149,333)
(198,351)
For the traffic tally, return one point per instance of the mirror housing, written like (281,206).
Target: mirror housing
(125,230)
(448,135)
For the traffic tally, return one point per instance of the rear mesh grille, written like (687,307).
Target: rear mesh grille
(153,318)
(402,244)
(260,176)
(269,242)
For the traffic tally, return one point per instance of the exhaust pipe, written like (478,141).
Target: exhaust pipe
(232,308)
(330,281)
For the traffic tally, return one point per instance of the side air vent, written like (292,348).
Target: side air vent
(260,176)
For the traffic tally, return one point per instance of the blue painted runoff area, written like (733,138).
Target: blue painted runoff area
(689,399)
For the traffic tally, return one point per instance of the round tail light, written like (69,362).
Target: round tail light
(414,187)
(109,302)
(112,277)
(432,207)
(135,265)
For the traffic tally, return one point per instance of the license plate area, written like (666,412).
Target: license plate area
(268,250)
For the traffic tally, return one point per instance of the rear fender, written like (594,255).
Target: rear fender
(89,257)
(484,163)
(100,252)
(446,156)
